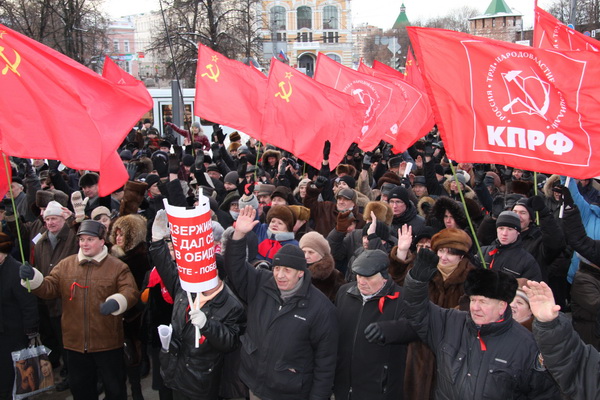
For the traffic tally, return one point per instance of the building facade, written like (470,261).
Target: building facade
(498,22)
(122,46)
(296,30)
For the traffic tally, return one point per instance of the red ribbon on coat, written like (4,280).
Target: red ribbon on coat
(389,296)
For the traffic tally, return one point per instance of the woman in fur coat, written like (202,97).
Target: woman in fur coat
(321,265)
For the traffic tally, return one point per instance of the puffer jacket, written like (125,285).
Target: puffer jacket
(493,361)
(512,258)
(196,371)
(289,349)
(84,286)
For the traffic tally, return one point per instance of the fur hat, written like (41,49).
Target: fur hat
(315,241)
(283,213)
(233,146)
(522,187)
(301,213)
(6,244)
(234,136)
(455,208)
(290,256)
(370,262)
(43,197)
(133,197)
(510,219)
(389,177)
(491,284)
(89,179)
(134,229)
(53,209)
(451,238)
(345,169)
(285,193)
(425,205)
(350,181)
(494,178)
(383,211)
(270,153)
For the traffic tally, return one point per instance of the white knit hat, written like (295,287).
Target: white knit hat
(53,209)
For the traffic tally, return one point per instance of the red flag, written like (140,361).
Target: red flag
(510,104)
(416,118)
(301,114)
(53,107)
(413,74)
(229,92)
(550,33)
(378,95)
(5,176)
(379,66)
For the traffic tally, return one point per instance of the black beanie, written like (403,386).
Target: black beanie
(381,230)
(290,256)
(510,219)
(399,192)
(350,181)
(524,201)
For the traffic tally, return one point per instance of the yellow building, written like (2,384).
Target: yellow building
(301,29)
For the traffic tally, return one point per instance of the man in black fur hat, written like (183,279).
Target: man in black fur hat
(482,353)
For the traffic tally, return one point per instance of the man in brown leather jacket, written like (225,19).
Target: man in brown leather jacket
(95,288)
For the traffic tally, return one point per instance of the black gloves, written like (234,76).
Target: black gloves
(26,271)
(216,152)
(374,334)
(366,162)
(320,182)
(174,164)
(567,198)
(480,172)
(326,150)
(242,167)
(498,206)
(538,204)
(425,265)
(131,170)
(218,136)
(109,307)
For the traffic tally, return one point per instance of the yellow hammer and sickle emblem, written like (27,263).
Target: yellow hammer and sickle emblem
(285,95)
(213,75)
(12,66)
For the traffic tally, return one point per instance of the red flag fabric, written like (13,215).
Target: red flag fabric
(413,74)
(505,103)
(550,33)
(301,114)
(5,176)
(379,66)
(229,92)
(378,95)
(53,107)
(416,119)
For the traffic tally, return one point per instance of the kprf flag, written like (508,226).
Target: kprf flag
(193,243)
(509,104)
(301,114)
(229,92)
(550,33)
(380,97)
(415,120)
(53,107)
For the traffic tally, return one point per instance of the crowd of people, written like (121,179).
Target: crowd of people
(389,276)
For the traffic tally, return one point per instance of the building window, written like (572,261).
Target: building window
(331,37)
(281,37)
(126,46)
(278,18)
(330,17)
(503,21)
(304,17)
(493,22)
(115,46)
(304,37)
(335,57)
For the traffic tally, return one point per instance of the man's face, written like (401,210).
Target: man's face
(506,235)
(90,191)
(90,246)
(286,278)
(302,191)
(214,174)
(16,188)
(54,223)
(154,190)
(165,149)
(264,199)
(420,190)
(485,310)
(398,206)
(342,185)
(449,221)
(272,160)
(229,186)
(147,125)
(524,216)
(368,285)
(37,162)
(278,201)
(517,174)
(344,204)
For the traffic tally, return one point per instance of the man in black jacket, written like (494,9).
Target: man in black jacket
(365,368)
(482,353)
(290,345)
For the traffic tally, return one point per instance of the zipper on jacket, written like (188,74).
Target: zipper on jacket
(85,313)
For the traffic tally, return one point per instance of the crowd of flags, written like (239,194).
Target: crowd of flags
(531,107)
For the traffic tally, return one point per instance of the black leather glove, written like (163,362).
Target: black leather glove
(425,265)
(567,197)
(429,149)
(366,162)
(374,333)
(131,170)
(218,135)
(199,162)
(387,152)
(53,165)
(8,207)
(538,204)
(507,174)
(109,307)
(26,271)
(27,168)
(498,206)
(242,168)
(216,152)
(479,171)
(174,164)
(326,150)
(320,182)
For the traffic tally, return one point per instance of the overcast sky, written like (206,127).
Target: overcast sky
(381,13)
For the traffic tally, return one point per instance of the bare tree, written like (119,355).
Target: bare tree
(587,11)
(75,28)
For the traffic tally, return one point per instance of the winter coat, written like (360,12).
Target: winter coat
(410,217)
(84,286)
(134,251)
(269,243)
(325,277)
(45,258)
(345,247)
(289,349)
(196,371)
(324,213)
(512,258)
(369,370)
(493,361)
(420,362)
(574,366)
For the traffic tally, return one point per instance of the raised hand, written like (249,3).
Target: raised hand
(245,222)
(541,301)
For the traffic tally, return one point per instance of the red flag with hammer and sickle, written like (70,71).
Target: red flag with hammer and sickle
(499,102)
(53,107)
